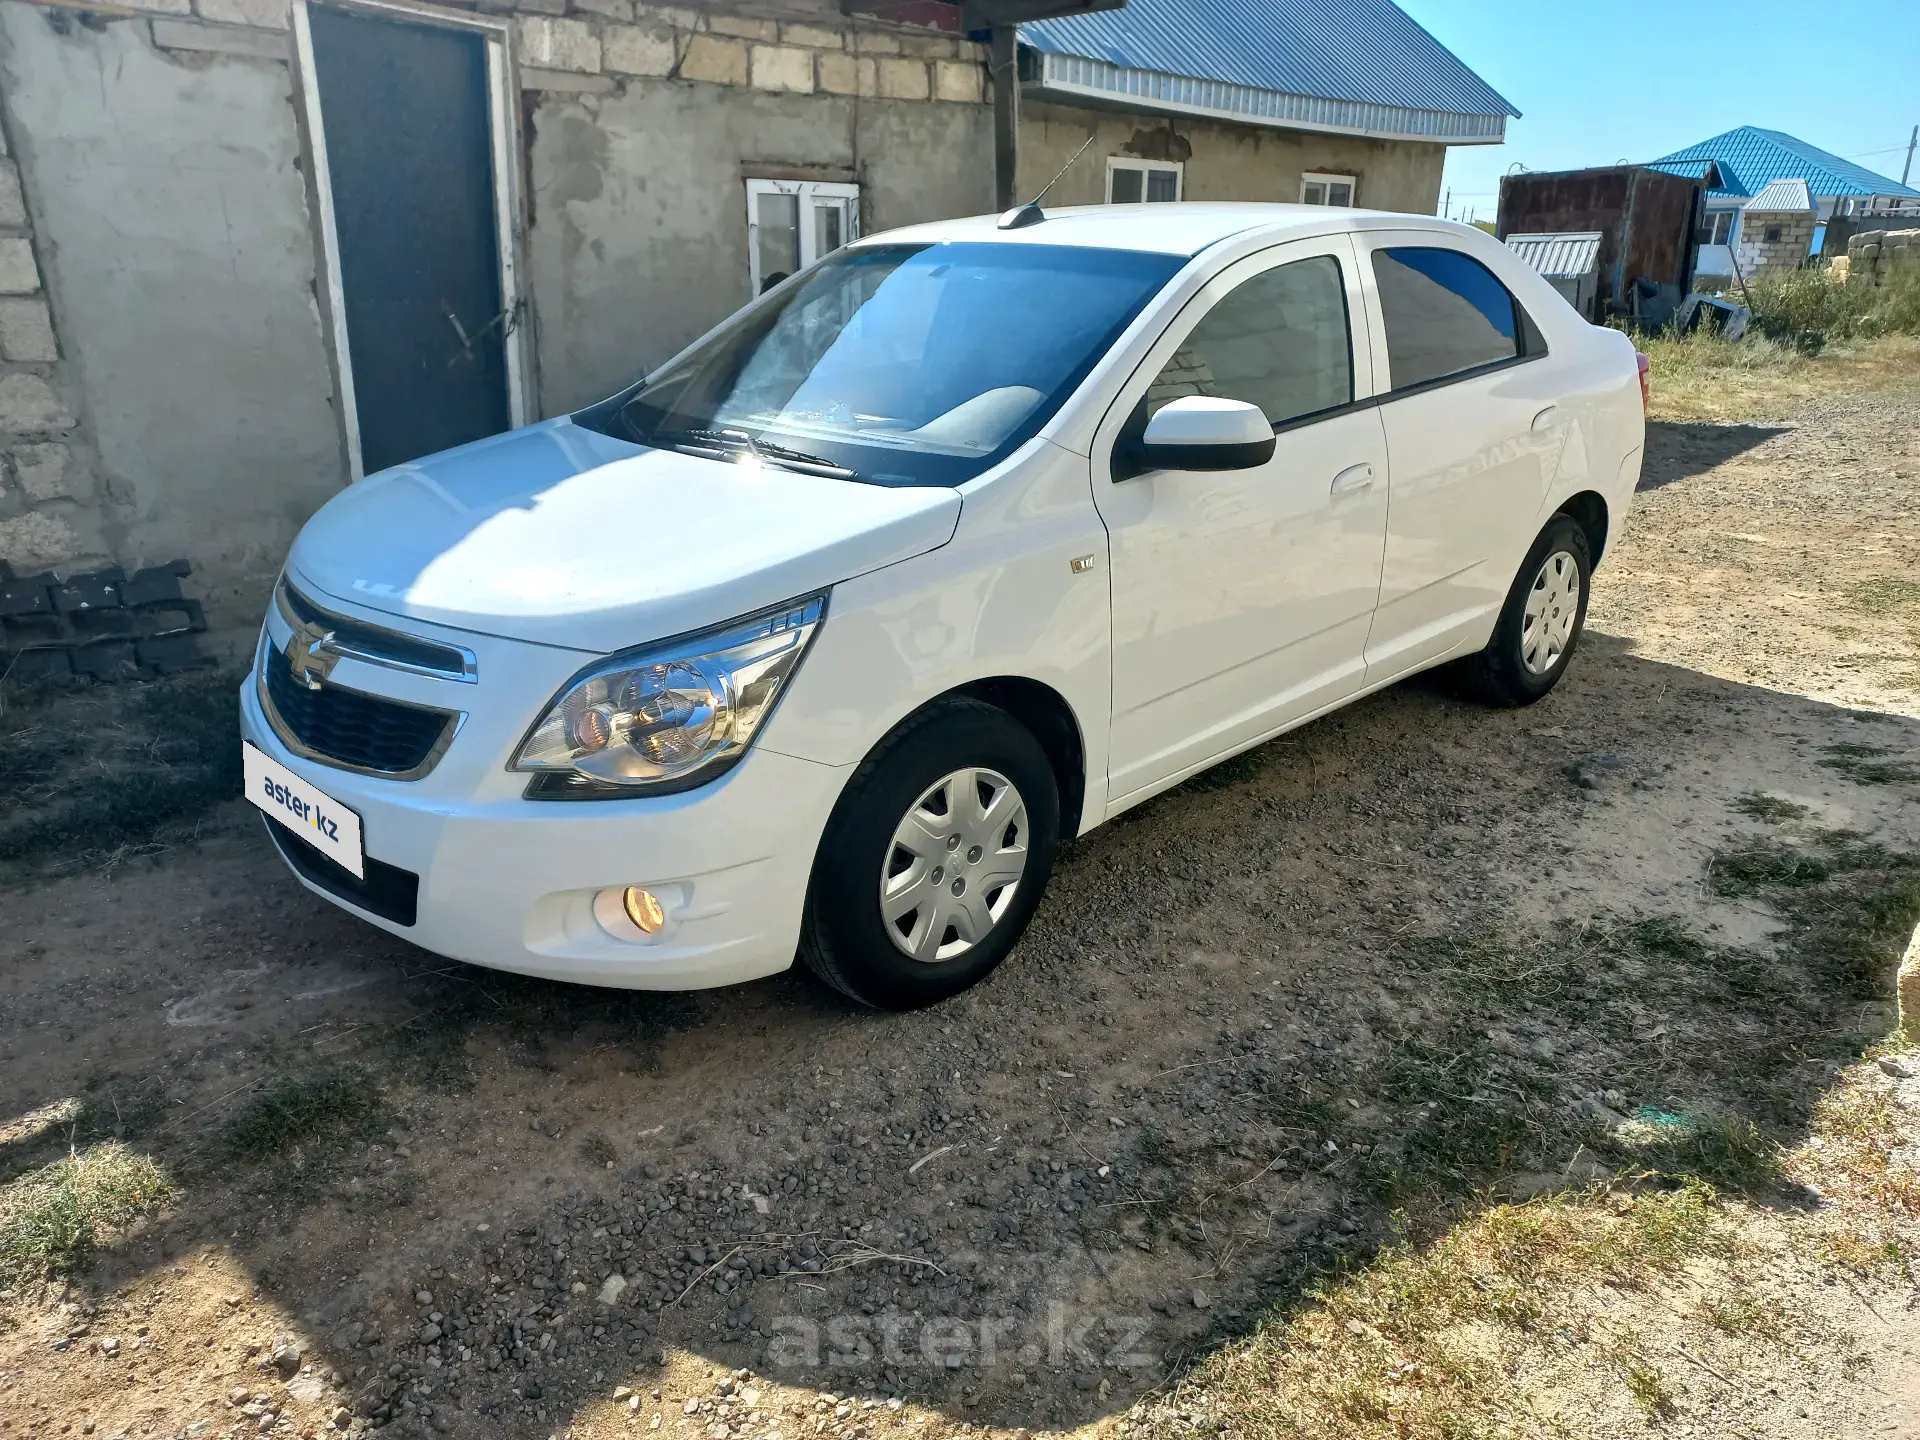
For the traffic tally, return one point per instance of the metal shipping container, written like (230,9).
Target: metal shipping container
(1645,220)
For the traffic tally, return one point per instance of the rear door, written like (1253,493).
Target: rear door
(1241,598)
(1472,434)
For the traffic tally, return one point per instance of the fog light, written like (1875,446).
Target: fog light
(644,910)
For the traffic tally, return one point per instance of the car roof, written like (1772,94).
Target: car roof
(1184,228)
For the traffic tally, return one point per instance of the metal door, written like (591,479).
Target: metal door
(408,167)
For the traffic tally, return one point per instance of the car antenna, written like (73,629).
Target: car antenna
(1030,213)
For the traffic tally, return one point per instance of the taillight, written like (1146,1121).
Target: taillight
(1646,381)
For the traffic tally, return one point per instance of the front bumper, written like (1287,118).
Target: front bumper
(512,884)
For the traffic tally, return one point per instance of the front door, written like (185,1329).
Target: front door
(1241,598)
(407,140)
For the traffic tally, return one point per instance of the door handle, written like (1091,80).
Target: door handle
(1547,417)
(1353,478)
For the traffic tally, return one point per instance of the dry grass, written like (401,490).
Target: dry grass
(52,1218)
(1430,1341)
(1698,377)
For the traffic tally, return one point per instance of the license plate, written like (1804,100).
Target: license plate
(318,819)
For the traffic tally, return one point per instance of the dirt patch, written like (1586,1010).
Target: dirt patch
(1335,1000)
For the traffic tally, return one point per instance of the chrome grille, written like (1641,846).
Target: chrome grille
(349,728)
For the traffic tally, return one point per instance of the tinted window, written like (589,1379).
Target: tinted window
(1444,312)
(902,364)
(1278,341)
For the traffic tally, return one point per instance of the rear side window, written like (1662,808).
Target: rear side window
(1446,314)
(1278,341)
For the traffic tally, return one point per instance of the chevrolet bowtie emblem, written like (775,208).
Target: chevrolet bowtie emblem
(310,655)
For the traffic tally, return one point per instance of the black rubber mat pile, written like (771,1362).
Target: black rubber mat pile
(106,624)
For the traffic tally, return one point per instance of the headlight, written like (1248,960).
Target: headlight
(671,716)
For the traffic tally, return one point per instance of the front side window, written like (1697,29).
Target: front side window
(1132,182)
(1446,314)
(1319,189)
(895,364)
(1278,340)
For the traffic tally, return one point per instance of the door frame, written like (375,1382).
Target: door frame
(509,205)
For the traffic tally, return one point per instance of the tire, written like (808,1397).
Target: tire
(857,933)
(1509,672)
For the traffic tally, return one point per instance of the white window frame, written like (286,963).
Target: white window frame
(814,194)
(1326,180)
(1145,168)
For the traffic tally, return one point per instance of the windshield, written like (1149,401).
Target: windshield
(895,364)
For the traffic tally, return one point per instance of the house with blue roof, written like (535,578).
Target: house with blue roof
(1750,160)
(1323,102)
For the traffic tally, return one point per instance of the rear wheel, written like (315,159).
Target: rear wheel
(1541,622)
(934,859)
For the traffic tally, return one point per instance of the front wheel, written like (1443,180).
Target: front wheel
(1541,621)
(934,859)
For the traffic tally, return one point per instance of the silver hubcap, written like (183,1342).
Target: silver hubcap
(1546,625)
(954,865)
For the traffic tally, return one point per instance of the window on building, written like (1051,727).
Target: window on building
(1320,189)
(1774,232)
(1716,226)
(1278,340)
(1446,315)
(792,223)
(1133,182)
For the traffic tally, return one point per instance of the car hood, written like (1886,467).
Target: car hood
(563,536)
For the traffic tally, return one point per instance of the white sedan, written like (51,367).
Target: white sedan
(816,641)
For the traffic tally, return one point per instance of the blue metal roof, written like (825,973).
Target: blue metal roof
(1369,51)
(1750,159)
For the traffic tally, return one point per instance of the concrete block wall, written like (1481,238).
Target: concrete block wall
(46,475)
(1876,255)
(1787,251)
(799,47)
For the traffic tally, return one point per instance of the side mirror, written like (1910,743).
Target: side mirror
(1199,432)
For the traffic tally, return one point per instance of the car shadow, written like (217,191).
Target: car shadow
(1680,449)
(1245,1029)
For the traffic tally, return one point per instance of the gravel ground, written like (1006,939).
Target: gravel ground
(478,1205)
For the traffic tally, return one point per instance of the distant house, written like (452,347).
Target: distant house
(1751,159)
(1318,102)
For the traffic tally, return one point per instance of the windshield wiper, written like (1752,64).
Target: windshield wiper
(728,440)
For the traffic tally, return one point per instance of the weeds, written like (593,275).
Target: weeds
(1730,1155)
(317,1110)
(1883,595)
(1866,765)
(1644,1381)
(1770,808)
(52,1219)
(1702,377)
(1741,873)
(1812,304)
(1668,936)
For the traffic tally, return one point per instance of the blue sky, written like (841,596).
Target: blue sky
(1634,79)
